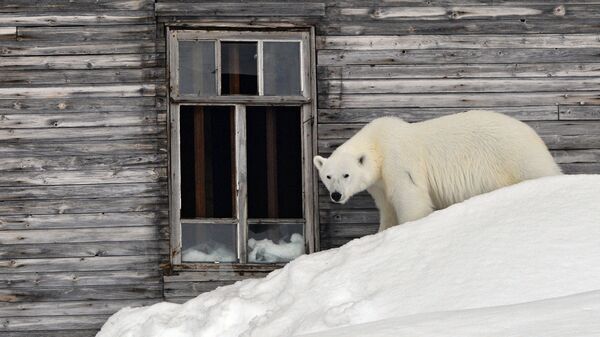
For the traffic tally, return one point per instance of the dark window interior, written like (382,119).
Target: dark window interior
(239,68)
(274,162)
(207,162)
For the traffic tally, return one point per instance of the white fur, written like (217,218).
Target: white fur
(411,170)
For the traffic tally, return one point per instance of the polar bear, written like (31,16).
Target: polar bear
(411,170)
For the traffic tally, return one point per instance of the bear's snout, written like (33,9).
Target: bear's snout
(336,196)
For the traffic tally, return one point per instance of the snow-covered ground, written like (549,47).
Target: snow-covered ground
(520,261)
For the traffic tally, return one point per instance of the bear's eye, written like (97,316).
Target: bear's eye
(328,177)
(346,175)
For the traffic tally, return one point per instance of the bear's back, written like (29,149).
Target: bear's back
(478,151)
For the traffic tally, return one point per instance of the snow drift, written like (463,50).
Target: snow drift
(472,267)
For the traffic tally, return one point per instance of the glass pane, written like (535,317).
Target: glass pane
(281,66)
(239,68)
(269,243)
(274,162)
(208,242)
(207,162)
(197,73)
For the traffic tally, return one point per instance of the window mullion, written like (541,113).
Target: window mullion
(241,181)
(218,66)
(261,77)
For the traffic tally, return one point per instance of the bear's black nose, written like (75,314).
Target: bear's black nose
(336,196)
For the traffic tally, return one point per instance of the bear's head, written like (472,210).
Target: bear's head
(344,174)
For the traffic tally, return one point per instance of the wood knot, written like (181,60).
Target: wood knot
(559,10)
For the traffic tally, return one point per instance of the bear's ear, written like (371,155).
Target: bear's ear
(319,161)
(361,159)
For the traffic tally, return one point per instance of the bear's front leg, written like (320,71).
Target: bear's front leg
(387,215)
(409,201)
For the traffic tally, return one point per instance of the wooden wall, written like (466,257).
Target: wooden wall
(534,60)
(83,194)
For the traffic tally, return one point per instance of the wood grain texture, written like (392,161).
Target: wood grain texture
(50,18)
(243,9)
(95,263)
(86,249)
(83,109)
(458,41)
(455,56)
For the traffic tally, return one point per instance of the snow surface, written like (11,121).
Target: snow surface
(209,253)
(265,250)
(261,251)
(520,261)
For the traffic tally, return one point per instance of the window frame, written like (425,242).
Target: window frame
(305,101)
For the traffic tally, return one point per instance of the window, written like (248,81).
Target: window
(241,126)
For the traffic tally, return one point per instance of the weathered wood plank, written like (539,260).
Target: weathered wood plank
(69,120)
(94,220)
(241,9)
(78,192)
(72,163)
(96,76)
(579,112)
(466,100)
(569,135)
(82,61)
(89,104)
(65,323)
(87,33)
(32,236)
(123,90)
(447,71)
(87,249)
(419,86)
(83,147)
(8,33)
(52,48)
(581,168)
(16,6)
(458,41)
(459,12)
(73,18)
(86,293)
(95,205)
(95,263)
(365,115)
(349,216)
(70,308)
(78,279)
(84,133)
(115,176)
(576,156)
(456,56)
(51,333)
(348,231)
(502,25)
(191,289)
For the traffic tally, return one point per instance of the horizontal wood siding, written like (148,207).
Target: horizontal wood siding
(83,175)
(534,60)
